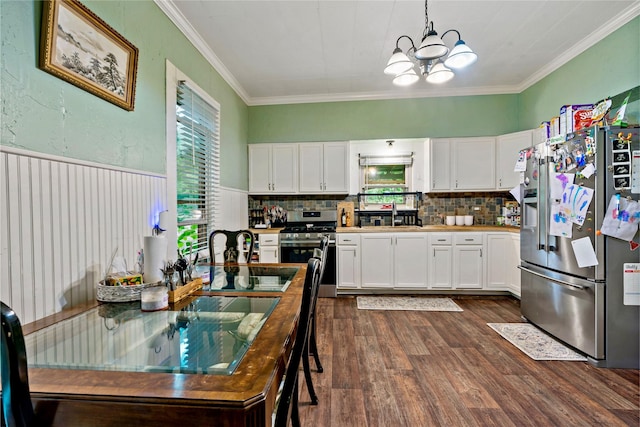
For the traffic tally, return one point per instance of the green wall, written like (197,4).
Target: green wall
(45,114)
(610,67)
(405,118)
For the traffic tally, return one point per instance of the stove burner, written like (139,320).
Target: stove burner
(312,229)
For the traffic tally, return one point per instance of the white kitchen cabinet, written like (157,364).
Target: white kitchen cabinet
(468,261)
(503,258)
(377,260)
(269,248)
(473,163)
(410,261)
(324,167)
(499,265)
(461,164)
(273,168)
(439,176)
(348,261)
(507,149)
(440,261)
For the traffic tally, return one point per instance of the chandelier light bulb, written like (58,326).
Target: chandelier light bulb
(461,56)
(398,63)
(407,78)
(439,74)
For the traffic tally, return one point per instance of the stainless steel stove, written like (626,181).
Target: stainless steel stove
(302,234)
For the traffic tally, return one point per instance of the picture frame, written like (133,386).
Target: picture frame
(80,48)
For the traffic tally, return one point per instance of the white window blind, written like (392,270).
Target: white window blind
(198,168)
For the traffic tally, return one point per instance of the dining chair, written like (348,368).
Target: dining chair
(312,346)
(17,409)
(287,407)
(235,241)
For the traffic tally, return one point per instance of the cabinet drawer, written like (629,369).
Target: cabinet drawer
(440,238)
(268,239)
(348,239)
(468,239)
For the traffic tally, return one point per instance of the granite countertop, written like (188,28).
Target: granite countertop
(406,229)
(265,230)
(427,228)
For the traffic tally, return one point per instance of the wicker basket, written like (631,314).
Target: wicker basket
(106,293)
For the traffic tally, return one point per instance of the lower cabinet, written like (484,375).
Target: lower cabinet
(456,260)
(503,258)
(348,261)
(429,261)
(440,261)
(377,260)
(394,260)
(410,256)
(268,251)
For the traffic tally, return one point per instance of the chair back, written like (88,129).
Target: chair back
(322,254)
(17,409)
(234,245)
(288,397)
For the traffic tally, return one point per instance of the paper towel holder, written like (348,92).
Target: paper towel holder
(161,226)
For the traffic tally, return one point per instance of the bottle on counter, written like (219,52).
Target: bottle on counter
(343,219)
(349,220)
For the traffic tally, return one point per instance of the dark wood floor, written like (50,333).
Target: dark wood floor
(411,368)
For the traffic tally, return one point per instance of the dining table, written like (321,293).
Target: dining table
(216,358)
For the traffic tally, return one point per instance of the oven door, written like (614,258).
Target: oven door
(302,252)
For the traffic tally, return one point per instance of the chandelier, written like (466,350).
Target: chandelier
(428,57)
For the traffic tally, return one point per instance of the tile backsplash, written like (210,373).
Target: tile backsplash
(485,207)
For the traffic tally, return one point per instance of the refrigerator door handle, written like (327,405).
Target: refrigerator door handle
(560,282)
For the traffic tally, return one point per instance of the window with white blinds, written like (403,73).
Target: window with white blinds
(198,168)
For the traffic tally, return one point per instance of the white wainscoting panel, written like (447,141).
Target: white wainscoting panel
(235,212)
(61,220)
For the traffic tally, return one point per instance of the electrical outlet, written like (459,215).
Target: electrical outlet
(476,208)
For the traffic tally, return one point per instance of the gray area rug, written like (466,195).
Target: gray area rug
(407,303)
(535,343)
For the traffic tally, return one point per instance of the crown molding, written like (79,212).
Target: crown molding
(598,35)
(174,14)
(384,95)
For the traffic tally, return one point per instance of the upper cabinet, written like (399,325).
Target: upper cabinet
(507,149)
(273,168)
(324,167)
(461,164)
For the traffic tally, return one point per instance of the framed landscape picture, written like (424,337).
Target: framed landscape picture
(82,49)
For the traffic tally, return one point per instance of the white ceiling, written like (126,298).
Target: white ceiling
(276,52)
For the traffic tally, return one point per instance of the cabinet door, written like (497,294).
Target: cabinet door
(311,167)
(269,254)
(440,165)
(260,168)
(284,168)
(499,261)
(336,167)
(348,267)
(468,267)
(377,260)
(410,255)
(440,267)
(474,163)
(507,150)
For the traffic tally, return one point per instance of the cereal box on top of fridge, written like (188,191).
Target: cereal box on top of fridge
(546,129)
(568,114)
(554,128)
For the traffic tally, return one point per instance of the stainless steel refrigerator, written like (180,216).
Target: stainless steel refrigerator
(575,294)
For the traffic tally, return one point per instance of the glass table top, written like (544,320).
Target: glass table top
(247,278)
(209,336)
